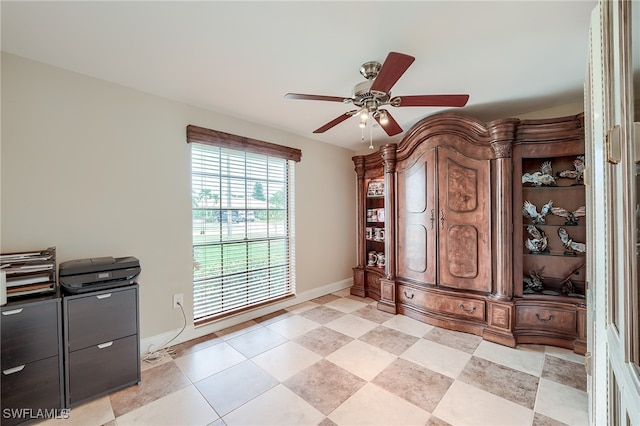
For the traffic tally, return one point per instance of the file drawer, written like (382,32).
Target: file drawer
(99,369)
(34,386)
(29,332)
(94,318)
(102,342)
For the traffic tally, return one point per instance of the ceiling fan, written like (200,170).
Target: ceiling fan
(370,95)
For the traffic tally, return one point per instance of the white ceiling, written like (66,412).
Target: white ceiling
(240,58)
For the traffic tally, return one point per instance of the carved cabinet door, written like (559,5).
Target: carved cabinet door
(416,218)
(444,220)
(464,221)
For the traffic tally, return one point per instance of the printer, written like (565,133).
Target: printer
(98,273)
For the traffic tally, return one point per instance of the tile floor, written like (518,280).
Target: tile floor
(337,360)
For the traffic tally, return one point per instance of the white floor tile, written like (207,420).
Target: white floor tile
(351,325)
(203,363)
(183,407)
(301,307)
(372,405)
(408,325)
(436,357)
(293,326)
(464,404)
(521,358)
(96,412)
(278,406)
(561,402)
(345,305)
(286,360)
(362,359)
(237,330)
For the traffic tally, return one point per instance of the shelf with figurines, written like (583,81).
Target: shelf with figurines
(538,173)
(567,242)
(572,284)
(553,228)
(374,234)
(375,188)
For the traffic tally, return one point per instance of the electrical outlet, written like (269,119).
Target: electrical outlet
(178,299)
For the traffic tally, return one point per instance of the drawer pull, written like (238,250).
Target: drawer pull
(103,296)
(12,312)
(468,311)
(407,296)
(551,317)
(105,345)
(13,370)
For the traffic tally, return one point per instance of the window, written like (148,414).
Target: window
(243,217)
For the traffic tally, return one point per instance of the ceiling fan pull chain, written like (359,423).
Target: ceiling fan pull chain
(371,136)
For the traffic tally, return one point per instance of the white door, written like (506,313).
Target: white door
(612,104)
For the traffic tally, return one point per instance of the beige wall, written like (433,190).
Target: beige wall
(560,111)
(97,169)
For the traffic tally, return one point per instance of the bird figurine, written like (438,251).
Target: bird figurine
(538,242)
(567,287)
(571,218)
(571,247)
(532,283)
(544,176)
(577,173)
(538,179)
(529,210)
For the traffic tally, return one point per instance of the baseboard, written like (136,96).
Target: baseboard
(173,337)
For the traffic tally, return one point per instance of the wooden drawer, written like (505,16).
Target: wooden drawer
(102,368)
(29,332)
(34,386)
(100,317)
(449,305)
(546,318)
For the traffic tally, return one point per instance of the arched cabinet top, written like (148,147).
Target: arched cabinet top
(467,135)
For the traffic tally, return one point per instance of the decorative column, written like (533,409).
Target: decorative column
(358,272)
(500,305)
(502,134)
(387,301)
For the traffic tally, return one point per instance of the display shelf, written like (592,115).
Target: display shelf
(549,259)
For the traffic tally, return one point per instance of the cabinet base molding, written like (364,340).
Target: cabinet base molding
(358,282)
(441,321)
(501,337)
(387,302)
(551,340)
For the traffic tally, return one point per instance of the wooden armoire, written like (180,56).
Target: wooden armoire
(452,239)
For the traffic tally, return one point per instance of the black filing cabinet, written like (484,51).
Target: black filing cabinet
(101,342)
(31,360)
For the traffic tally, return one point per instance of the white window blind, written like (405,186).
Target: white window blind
(243,245)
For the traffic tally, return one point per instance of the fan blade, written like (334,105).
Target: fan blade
(430,100)
(313,97)
(391,126)
(335,121)
(392,69)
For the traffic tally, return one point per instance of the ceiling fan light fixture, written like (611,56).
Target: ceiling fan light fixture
(384,118)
